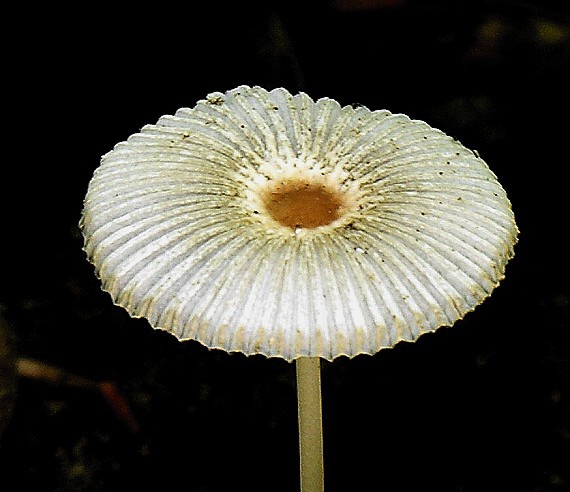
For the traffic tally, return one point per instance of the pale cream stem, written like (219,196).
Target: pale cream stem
(310,424)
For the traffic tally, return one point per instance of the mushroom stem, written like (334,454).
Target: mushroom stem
(310,424)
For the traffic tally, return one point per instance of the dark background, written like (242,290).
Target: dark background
(484,406)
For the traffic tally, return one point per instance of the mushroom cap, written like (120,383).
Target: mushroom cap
(180,229)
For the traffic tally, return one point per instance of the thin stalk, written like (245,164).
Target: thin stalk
(310,424)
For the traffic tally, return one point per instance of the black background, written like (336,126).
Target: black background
(483,406)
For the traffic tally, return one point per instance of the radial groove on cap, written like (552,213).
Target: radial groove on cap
(175,224)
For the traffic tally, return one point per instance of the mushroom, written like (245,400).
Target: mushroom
(268,223)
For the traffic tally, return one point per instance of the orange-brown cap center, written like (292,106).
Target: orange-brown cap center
(299,204)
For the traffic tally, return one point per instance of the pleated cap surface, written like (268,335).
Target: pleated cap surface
(175,223)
